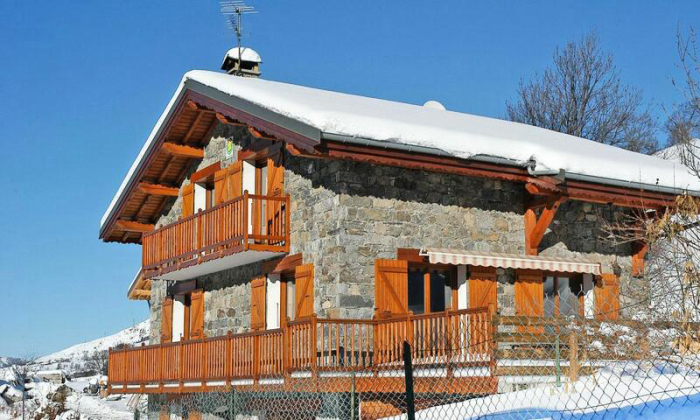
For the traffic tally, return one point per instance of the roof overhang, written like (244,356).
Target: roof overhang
(227,109)
(194,98)
(140,288)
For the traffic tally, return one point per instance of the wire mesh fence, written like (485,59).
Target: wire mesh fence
(450,365)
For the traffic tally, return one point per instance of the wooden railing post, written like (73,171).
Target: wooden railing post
(493,331)
(312,345)
(125,357)
(181,373)
(161,364)
(256,357)
(286,223)
(228,363)
(286,335)
(199,230)
(205,360)
(246,223)
(142,366)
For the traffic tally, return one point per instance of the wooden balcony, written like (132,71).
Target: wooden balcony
(246,229)
(323,352)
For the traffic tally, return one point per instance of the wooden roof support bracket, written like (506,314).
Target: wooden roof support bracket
(156,189)
(535,228)
(130,226)
(183,151)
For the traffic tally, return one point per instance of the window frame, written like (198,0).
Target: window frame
(428,268)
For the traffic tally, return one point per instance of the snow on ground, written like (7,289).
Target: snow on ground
(132,336)
(622,390)
(74,359)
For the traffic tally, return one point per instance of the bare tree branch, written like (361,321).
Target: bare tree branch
(582,95)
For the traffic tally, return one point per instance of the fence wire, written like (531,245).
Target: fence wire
(611,365)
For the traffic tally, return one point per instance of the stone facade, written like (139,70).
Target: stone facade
(346,214)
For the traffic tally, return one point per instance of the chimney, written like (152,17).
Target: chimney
(248,65)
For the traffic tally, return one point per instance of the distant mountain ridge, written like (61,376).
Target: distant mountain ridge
(74,358)
(8,361)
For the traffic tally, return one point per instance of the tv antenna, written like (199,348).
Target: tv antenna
(233,11)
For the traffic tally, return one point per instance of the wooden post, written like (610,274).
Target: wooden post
(493,331)
(312,345)
(245,223)
(161,364)
(142,367)
(228,363)
(287,228)
(573,357)
(182,364)
(256,357)
(125,368)
(205,359)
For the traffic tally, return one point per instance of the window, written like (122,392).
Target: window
(291,286)
(430,289)
(563,296)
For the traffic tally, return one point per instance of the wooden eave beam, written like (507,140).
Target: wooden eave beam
(156,189)
(130,226)
(226,120)
(183,151)
(193,127)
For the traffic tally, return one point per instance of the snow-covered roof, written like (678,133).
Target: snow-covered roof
(455,133)
(247,54)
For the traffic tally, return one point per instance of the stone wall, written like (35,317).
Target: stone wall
(345,214)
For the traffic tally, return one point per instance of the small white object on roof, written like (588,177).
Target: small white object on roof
(435,105)
(246,54)
(498,260)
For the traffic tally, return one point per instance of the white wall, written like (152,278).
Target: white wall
(178,317)
(589,296)
(200,198)
(273,302)
(249,184)
(462,293)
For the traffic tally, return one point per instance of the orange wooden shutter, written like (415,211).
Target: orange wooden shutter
(482,288)
(235,180)
(221,186)
(166,321)
(275,187)
(529,296)
(607,297)
(391,286)
(258,298)
(197,314)
(187,200)
(304,280)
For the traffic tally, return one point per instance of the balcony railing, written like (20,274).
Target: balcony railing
(460,339)
(246,223)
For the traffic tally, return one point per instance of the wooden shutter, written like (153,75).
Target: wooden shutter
(234,173)
(221,186)
(391,286)
(482,288)
(166,321)
(188,200)
(529,296)
(304,281)
(257,313)
(275,187)
(197,314)
(607,297)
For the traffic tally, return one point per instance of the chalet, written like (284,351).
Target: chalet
(287,230)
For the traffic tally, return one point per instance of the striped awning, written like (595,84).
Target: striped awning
(492,259)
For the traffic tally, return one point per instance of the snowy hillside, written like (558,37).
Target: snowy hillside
(72,359)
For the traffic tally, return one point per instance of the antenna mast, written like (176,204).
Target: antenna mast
(233,11)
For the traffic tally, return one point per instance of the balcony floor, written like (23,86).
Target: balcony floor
(214,265)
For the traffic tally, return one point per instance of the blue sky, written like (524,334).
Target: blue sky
(82,83)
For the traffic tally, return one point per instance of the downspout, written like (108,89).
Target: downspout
(508,162)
